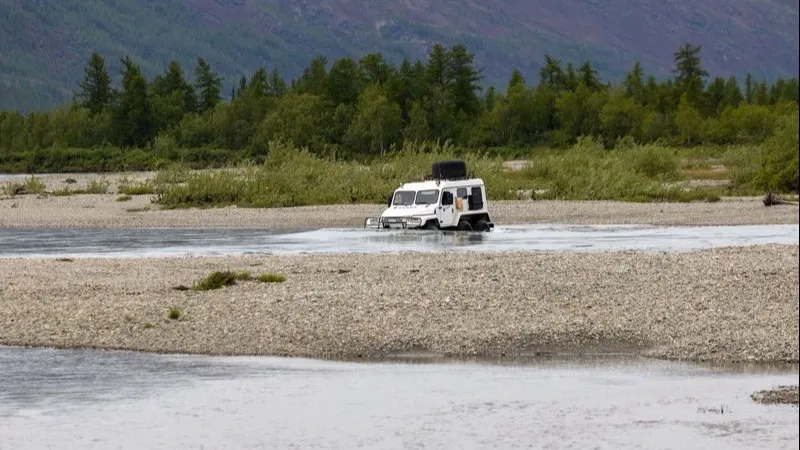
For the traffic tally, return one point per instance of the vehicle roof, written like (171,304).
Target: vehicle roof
(438,184)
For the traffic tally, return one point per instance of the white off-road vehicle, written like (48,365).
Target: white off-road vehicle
(447,200)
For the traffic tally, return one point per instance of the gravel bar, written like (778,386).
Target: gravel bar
(789,395)
(726,304)
(104,211)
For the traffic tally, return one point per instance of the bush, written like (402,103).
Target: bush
(98,186)
(215,280)
(272,278)
(587,171)
(778,161)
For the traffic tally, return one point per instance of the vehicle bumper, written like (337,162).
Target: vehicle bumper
(393,222)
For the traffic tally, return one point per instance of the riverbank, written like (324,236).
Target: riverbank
(114,211)
(730,304)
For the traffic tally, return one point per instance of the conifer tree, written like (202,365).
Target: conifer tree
(209,86)
(96,91)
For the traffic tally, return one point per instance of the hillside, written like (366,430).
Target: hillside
(46,44)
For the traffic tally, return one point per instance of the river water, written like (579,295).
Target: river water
(176,241)
(100,399)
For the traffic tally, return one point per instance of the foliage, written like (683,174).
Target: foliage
(215,280)
(174,313)
(231,34)
(295,177)
(778,161)
(98,186)
(272,278)
(351,131)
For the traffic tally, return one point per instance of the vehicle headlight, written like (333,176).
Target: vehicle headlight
(414,221)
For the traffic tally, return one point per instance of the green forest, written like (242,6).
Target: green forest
(366,110)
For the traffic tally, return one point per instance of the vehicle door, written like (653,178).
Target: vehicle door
(446,209)
(461,201)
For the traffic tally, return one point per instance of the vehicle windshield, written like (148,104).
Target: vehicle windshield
(407,198)
(427,197)
(403,198)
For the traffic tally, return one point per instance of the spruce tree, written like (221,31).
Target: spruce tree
(209,86)
(96,91)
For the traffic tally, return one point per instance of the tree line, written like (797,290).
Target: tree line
(364,107)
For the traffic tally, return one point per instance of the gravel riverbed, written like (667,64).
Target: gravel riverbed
(728,304)
(789,395)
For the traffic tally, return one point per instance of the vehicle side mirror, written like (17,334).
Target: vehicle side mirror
(389,200)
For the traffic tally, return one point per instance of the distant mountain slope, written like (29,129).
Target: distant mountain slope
(45,44)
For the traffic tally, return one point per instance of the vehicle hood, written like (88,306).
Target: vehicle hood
(412,210)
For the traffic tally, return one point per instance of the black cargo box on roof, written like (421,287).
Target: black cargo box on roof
(450,170)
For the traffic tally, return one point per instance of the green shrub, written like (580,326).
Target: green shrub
(215,280)
(244,276)
(271,278)
(174,313)
(288,176)
(652,161)
(778,161)
(34,185)
(98,186)
(10,188)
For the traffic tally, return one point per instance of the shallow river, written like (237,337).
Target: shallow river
(171,242)
(94,399)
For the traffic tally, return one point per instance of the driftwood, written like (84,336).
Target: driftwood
(772,199)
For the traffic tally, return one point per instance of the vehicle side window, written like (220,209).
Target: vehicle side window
(476,199)
(447,198)
(461,192)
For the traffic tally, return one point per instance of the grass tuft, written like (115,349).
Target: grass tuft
(35,186)
(98,186)
(215,280)
(32,185)
(243,276)
(174,313)
(271,278)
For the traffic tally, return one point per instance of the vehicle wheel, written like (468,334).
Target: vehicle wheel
(464,226)
(482,225)
(431,225)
